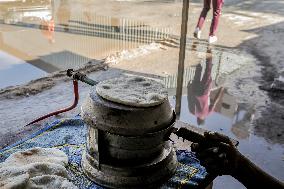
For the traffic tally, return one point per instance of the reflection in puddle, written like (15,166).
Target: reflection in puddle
(199,101)
(206,103)
(54,35)
(206,97)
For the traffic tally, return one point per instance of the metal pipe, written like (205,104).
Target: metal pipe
(185,7)
(81,77)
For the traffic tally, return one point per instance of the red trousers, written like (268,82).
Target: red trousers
(217,6)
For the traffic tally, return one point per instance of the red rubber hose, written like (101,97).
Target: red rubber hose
(76,99)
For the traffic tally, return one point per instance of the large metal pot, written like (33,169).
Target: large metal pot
(127,147)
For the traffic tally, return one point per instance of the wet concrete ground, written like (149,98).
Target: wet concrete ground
(41,37)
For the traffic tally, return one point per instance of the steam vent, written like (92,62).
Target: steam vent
(129,120)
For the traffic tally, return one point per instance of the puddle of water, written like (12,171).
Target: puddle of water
(54,35)
(14,71)
(205,103)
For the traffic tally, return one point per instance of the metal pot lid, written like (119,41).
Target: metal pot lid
(133,91)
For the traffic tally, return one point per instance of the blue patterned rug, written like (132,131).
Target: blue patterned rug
(68,135)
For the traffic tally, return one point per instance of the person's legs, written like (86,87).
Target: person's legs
(217,6)
(203,14)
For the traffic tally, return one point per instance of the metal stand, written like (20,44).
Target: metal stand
(185,7)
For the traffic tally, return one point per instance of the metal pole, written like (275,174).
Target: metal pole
(185,7)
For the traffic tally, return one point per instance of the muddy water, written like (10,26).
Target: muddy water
(207,104)
(47,36)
